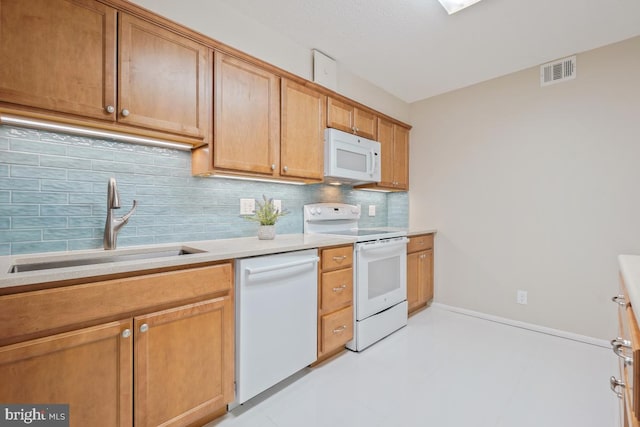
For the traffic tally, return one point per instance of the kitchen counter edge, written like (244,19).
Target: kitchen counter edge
(417,232)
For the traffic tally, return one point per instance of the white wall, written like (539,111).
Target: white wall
(223,23)
(533,188)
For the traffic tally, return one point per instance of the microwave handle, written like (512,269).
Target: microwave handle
(373,161)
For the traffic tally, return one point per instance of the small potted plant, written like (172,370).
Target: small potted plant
(266,215)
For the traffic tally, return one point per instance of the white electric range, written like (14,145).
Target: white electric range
(380,270)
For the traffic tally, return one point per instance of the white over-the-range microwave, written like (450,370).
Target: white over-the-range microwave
(350,159)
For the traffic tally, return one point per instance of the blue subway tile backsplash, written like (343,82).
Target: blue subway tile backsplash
(53,190)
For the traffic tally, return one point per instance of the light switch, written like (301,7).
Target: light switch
(372,210)
(247,206)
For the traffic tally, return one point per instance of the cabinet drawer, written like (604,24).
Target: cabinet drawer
(337,289)
(33,313)
(337,257)
(419,243)
(337,329)
(633,376)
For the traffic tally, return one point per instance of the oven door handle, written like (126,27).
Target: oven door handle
(381,245)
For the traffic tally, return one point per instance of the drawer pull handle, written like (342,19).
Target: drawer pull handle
(340,330)
(618,345)
(615,383)
(621,341)
(339,258)
(340,288)
(618,299)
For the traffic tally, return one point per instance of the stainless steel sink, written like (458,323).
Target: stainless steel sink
(103,258)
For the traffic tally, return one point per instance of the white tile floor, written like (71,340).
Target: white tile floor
(446,369)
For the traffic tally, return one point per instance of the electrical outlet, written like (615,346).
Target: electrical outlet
(247,206)
(372,210)
(278,205)
(521,297)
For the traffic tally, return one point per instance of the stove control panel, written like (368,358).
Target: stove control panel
(331,211)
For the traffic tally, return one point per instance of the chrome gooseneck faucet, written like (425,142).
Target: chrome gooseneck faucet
(114,224)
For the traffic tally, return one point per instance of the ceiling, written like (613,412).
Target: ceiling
(414,50)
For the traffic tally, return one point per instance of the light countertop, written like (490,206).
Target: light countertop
(418,232)
(630,271)
(212,250)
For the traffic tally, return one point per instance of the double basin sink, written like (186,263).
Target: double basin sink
(47,263)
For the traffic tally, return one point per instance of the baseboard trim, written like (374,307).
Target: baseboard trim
(524,325)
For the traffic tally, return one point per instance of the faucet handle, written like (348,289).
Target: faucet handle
(125,218)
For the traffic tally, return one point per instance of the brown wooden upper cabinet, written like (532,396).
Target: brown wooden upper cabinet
(394,141)
(347,117)
(246,115)
(162,79)
(264,126)
(303,122)
(66,56)
(59,55)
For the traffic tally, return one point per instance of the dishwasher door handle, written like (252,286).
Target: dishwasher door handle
(259,270)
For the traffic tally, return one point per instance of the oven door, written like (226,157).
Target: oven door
(381,275)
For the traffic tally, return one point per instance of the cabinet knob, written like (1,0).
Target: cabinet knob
(125,113)
(110,109)
(273,166)
(615,383)
(286,168)
(126,333)
(618,299)
(144,327)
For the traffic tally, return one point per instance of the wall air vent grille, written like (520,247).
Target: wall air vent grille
(558,71)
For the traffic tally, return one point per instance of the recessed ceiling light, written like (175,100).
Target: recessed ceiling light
(453,6)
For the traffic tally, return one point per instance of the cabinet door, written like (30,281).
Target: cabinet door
(246,117)
(385,137)
(90,369)
(162,79)
(366,124)
(340,115)
(426,280)
(58,55)
(401,157)
(413,279)
(302,132)
(183,363)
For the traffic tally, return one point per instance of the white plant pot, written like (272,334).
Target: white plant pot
(267,232)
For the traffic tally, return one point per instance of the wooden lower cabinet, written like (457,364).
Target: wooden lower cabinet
(335,300)
(90,369)
(419,271)
(180,358)
(169,367)
(627,347)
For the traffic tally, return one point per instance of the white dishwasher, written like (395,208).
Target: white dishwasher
(276,319)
